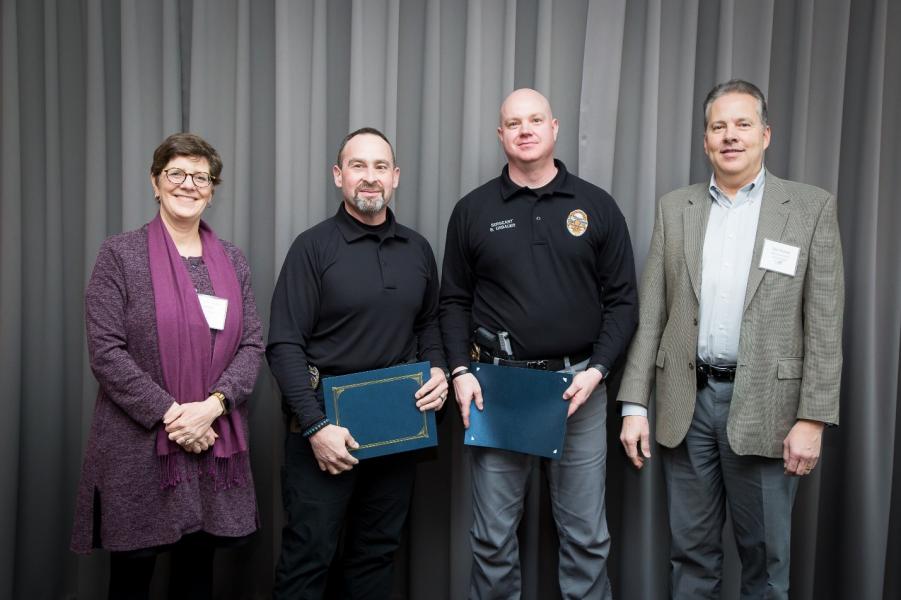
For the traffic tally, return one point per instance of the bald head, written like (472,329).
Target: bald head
(528,132)
(525,98)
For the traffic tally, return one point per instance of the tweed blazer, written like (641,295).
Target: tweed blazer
(789,350)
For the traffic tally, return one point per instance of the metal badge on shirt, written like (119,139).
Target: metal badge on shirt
(577,222)
(214,309)
(779,257)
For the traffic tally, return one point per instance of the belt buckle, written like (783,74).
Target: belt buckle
(537,364)
(722,372)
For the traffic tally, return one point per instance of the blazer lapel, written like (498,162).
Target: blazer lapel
(773,217)
(694,225)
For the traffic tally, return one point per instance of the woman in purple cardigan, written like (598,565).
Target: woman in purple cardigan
(175,344)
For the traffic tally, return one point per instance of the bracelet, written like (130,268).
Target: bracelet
(315,427)
(462,371)
(223,401)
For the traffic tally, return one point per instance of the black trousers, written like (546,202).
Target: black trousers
(191,574)
(368,505)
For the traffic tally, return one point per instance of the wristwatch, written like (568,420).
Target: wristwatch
(226,405)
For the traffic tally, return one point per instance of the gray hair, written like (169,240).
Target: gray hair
(736,86)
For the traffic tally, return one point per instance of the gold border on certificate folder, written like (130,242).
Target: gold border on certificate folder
(338,390)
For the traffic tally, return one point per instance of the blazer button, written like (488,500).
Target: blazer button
(691,365)
(696,321)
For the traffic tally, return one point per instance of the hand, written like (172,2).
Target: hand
(467,390)
(172,413)
(636,430)
(433,393)
(801,448)
(189,422)
(205,442)
(330,446)
(581,388)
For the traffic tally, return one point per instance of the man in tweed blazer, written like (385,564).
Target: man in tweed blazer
(740,336)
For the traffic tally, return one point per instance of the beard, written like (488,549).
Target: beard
(370,206)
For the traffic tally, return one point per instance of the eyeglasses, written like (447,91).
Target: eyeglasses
(178,176)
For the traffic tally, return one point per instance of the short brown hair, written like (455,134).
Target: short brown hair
(186,144)
(364,131)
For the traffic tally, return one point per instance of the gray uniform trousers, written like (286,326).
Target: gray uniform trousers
(576,485)
(702,475)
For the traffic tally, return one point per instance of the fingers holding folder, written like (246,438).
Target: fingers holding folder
(330,446)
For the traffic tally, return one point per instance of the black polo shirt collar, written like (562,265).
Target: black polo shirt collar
(560,184)
(353,230)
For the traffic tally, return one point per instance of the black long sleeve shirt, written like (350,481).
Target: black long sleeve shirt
(551,266)
(349,298)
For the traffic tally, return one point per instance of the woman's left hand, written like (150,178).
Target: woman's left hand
(433,393)
(189,422)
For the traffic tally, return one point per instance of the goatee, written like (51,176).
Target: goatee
(369,206)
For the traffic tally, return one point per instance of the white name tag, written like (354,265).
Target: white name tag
(214,309)
(779,257)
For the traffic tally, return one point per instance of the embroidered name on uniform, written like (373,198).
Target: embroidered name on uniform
(505,224)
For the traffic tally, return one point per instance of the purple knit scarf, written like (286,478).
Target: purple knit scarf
(191,363)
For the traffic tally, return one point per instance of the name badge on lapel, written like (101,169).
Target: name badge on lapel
(214,309)
(779,257)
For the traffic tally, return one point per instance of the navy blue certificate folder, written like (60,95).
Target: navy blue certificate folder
(524,410)
(379,410)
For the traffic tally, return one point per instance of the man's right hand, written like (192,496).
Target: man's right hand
(330,446)
(467,390)
(635,433)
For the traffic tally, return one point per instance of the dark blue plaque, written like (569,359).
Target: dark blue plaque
(379,409)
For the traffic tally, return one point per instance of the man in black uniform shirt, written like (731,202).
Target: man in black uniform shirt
(546,257)
(357,292)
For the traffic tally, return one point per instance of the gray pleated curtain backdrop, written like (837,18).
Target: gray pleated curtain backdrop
(91,87)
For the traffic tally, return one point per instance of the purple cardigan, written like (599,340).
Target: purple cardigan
(120,479)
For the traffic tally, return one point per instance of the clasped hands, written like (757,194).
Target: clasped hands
(190,425)
(330,444)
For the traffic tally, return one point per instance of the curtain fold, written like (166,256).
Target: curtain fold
(301,169)
(602,65)
(90,88)
(10,289)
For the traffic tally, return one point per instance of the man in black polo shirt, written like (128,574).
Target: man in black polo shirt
(546,257)
(357,292)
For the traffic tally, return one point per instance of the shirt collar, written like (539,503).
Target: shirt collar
(353,230)
(560,184)
(749,193)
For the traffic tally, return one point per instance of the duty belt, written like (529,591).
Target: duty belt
(541,364)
